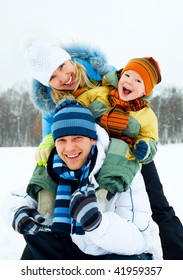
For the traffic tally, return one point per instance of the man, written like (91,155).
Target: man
(85,225)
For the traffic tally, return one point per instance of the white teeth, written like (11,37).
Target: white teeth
(72,156)
(69,81)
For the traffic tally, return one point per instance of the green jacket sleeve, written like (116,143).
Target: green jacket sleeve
(117,172)
(40,180)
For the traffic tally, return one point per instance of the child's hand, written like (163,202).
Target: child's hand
(44,150)
(142,150)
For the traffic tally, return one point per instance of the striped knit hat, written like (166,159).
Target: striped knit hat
(148,69)
(73,119)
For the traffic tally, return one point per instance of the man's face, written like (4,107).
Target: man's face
(74,150)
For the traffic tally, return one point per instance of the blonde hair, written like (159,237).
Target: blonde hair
(81,79)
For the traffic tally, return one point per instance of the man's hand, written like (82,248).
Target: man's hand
(27,221)
(84,209)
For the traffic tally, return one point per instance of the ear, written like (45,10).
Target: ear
(93,141)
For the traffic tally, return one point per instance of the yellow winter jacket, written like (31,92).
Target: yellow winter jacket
(143,124)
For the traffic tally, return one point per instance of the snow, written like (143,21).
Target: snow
(17,164)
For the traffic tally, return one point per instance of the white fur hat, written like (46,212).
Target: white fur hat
(43,58)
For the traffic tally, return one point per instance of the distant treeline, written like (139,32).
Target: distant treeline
(20,122)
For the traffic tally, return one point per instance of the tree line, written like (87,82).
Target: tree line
(20,121)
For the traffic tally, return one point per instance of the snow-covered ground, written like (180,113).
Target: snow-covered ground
(17,164)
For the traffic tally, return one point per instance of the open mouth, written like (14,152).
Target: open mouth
(70,82)
(126,91)
(73,156)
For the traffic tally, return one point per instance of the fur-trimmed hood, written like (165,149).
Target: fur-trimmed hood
(92,59)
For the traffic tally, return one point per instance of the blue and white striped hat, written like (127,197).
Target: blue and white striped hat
(73,119)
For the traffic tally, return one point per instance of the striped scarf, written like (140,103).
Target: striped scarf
(116,119)
(62,222)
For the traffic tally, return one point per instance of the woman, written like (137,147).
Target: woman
(62,80)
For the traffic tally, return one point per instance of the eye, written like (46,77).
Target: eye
(61,66)
(127,75)
(60,140)
(51,78)
(78,138)
(138,81)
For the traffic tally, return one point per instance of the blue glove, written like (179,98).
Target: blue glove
(142,150)
(27,221)
(84,209)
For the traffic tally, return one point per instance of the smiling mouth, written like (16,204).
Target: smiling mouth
(72,156)
(69,81)
(126,91)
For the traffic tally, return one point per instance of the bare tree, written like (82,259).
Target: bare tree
(17,118)
(20,122)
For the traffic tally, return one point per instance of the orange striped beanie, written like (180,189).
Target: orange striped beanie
(148,69)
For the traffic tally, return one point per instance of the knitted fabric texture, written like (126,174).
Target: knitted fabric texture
(73,119)
(116,119)
(62,221)
(43,58)
(148,69)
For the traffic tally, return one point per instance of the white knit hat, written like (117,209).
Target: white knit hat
(43,58)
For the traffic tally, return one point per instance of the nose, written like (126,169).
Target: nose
(69,146)
(130,79)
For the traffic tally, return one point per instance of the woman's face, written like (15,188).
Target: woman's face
(63,78)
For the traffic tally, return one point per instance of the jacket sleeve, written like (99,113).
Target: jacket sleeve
(13,202)
(40,180)
(117,171)
(126,227)
(114,235)
(47,120)
(96,100)
(148,131)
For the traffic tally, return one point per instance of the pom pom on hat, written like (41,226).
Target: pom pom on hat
(43,58)
(73,119)
(148,69)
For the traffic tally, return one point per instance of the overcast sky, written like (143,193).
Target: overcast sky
(123,29)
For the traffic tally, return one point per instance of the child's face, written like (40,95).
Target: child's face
(63,78)
(131,86)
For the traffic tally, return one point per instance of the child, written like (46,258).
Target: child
(130,118)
